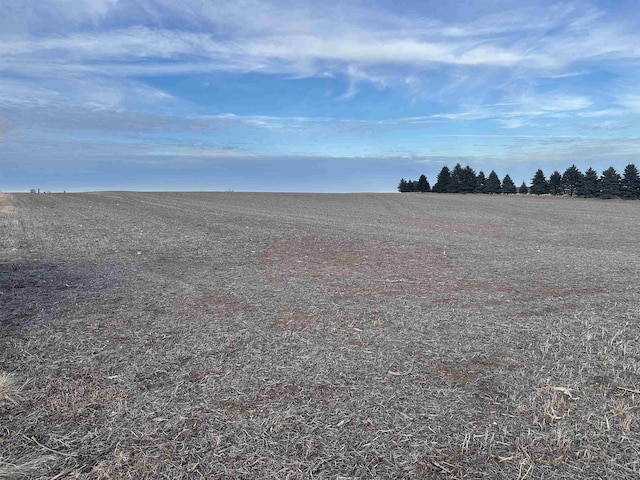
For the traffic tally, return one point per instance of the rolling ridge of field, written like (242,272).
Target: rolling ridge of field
(238,335)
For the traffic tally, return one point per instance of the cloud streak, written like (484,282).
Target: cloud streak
(231,40)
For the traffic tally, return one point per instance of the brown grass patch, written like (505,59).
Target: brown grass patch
(624,414)
(298,320)
(194,308)
(552,403)
(146,462)
(104,323)
(80,396)
(237,409)
(5,203)
(8,390)
(445,463)
(469,371)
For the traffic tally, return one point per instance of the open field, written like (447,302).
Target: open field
(228,335)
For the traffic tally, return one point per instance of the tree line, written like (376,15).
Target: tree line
(572,182)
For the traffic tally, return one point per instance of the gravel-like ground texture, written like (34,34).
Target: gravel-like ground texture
(291,336)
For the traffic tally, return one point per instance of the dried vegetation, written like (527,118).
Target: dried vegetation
(5,203)
(318,336)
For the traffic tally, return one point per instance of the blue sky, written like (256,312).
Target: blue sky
(311,96)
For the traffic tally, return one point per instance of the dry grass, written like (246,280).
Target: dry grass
(231,336)
(25,467)
(8,389)
(5,203)
(81,395)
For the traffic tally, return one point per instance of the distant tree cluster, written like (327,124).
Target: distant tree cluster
(572,182)
(420,185)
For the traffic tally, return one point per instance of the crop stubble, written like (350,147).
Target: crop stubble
(227,335)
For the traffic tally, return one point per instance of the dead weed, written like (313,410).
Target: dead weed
(8,390)
(5,203)
(140,463)
(80,396)
(298,320)
(551,404)
(469,371)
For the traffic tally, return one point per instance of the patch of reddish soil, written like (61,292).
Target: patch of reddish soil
(371,269)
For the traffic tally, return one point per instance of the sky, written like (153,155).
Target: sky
(296,95)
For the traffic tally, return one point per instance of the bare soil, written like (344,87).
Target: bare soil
(229,335)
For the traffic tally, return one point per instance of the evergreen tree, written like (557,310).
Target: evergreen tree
(457,177)
(507,185)
(411,186)
(480,181)
(442,182)
(630,182)
(469,180)
(610,183)
(589,185)
(555,183)
(402,186)
(492,185)
(571,179)
(539,184)
(423,184)
(523,189)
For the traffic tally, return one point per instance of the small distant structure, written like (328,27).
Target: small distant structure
(33,190)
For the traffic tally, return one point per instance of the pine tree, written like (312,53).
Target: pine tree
(539,184)
(423,184)
(555,183)
(588,186)
(630,182)
(507,185)
(457,177)
(571,179)
(442,182)
(469,180)
(610,183)
(402,186)
(492,185)
(480,181)
(523,189)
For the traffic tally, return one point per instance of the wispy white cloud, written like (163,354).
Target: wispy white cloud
(310,40)
(607,112)
(630,101)
(16,93)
